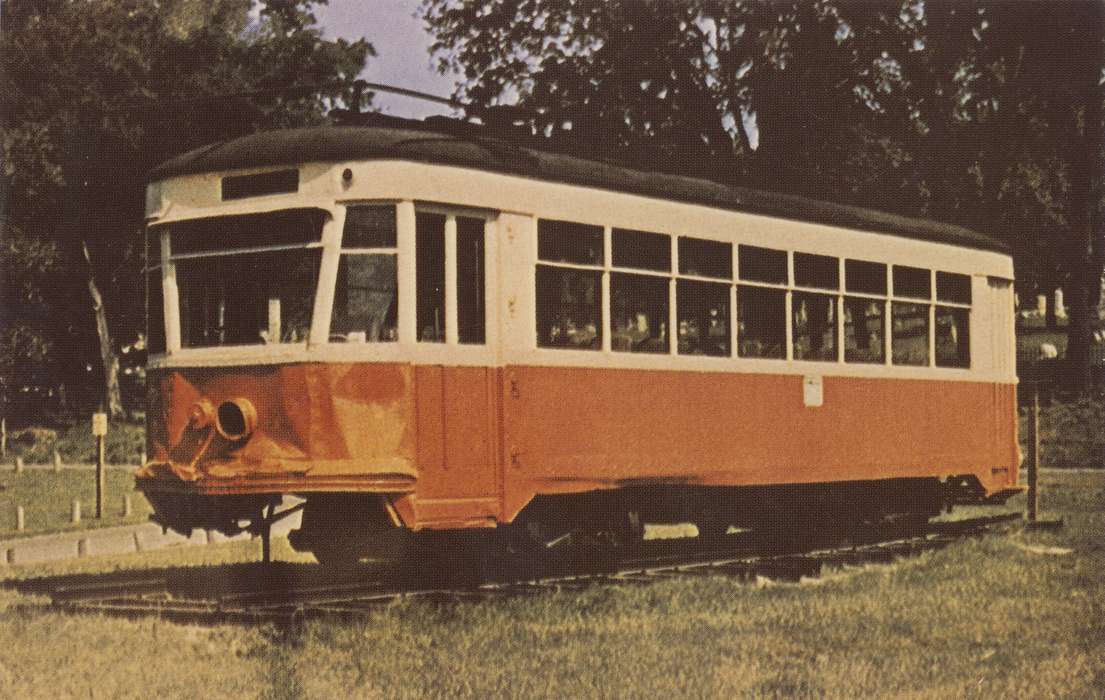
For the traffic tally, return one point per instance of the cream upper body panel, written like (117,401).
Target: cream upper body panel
(513,204)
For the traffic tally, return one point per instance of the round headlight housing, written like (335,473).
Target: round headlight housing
(236,419)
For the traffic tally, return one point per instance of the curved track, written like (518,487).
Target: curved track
(284,593)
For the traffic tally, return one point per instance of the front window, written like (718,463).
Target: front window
(366,298)
(246,280)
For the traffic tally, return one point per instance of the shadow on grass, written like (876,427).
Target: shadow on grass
(211,582)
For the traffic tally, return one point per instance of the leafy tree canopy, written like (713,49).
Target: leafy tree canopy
(94,94)
(985,113)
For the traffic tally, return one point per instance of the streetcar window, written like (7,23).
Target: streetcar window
(864,277)
(247,299)
(155,313)
(430,272)
(641,250)
(569,242)
(814,329)
(259,184)
(864,329)
(703,313)
(953,347)
(818,271)
(705,258)
(226,233)
(639,313)
(912,282)
(910,332)
(569,308)
(365,299)
(471,278)
(762,264)
(761,322)
(369,226)
(954,288)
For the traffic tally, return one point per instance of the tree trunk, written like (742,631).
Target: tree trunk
(113,398)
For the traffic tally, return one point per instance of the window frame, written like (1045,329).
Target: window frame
(602,267)
(452,212)
(729,281)
(171,289)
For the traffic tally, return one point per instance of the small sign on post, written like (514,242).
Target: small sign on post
(99,429)
(99,424)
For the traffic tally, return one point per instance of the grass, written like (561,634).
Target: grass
(1007,615)
(124,444)
(47,496)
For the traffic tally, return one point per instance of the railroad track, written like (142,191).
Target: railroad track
(284,593)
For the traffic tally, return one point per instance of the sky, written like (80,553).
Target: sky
(402,47)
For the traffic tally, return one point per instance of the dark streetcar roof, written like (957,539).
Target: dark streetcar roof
(351,143)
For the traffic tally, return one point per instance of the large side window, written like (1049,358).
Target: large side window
(366,296)
(569,285)
(953,320)
(640,301)
(864,311)
(761,309)
(814,314)
(910,316)
(702,301)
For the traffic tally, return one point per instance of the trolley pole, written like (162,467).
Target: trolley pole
(99,429)
(1034,455)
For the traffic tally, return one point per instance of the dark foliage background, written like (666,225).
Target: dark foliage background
(985,113)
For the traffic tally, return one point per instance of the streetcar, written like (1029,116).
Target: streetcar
(422,329)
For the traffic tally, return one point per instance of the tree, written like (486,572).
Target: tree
(26,265)
(984,113)
(94,94)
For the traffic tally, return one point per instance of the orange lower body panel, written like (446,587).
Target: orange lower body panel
(470,446)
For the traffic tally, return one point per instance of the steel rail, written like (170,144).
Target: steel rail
(141,594)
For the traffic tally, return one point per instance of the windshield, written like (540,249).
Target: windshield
(246,280)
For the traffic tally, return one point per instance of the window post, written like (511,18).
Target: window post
(452,335)
(932,318)
(673,311)
(327,277)
(170,296)
(789,306)
(406,283)
(607,256)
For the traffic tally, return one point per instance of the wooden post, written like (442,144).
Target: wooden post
(75,512)
(18,465)
(20,518)
(1034,455)
(57,461)
(4,438)
(100,485)
(128,508)
(99,429)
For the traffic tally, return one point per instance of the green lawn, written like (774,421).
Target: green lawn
(47,497)
(1017,615)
